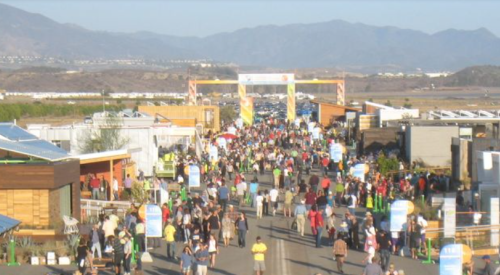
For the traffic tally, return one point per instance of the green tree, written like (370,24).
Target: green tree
(227,114)
(106,138)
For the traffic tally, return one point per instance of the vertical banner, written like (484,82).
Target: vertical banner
(495,221)
(450,259)
(192,93)
(449,209)
(164,196)
(341,93)
(194,176)
(242,91)
(291,102)
(213,154)
(246,105)
(399,212)
(153,221)
(336,150)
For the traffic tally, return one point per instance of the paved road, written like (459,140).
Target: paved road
(288,253)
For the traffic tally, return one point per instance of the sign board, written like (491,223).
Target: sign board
(449,209)
(297,122)
(450,259)
(266,79)
(316,131)
(399,212)
(164,196)
(495,221)
(359,171)
(153,221)
(239,123)
(336,152)
(310,126)
(222,142)
(194,176)
(214,153)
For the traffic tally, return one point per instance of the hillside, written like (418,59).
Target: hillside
(482,76)
(334,44)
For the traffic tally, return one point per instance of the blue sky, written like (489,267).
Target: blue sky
(205,17)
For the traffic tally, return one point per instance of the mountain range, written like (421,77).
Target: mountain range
(334,44)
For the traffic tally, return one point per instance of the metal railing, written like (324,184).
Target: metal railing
(91,209)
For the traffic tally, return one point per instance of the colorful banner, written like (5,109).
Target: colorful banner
(192,93)
(266,79)
(450,214)
(399,212)
(246,105)
(153,221)
(164,196)
(359,171)
(242,91)
(194,176)
(450,259)
(341,93)
(291,102)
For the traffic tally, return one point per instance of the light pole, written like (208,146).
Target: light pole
(103,108)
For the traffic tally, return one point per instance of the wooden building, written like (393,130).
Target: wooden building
(329,113)
(39,183)
(111,164)
(186,116)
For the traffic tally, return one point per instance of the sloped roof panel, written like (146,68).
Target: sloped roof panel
(7,224)
(40,150)
(14,132)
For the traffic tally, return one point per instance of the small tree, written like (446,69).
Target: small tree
(387,164)
(106,138)
(227,114)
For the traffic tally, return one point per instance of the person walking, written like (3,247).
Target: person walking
(340,252)
(96,244)
(273,196)
(373,268)
(82,255)
(384,246)
(259,249)
(169,233)
(227,229)
(287,209)
(202,258)
(242,226)
(319,227)
(300,215)
(259,200)
(127,257)
(186,260)
(213,250)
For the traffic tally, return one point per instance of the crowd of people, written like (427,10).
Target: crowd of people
(306,186)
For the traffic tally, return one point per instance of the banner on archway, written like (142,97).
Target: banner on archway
(246,105)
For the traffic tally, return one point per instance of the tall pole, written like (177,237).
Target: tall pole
(103,108)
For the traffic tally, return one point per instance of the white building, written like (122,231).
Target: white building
(142,137)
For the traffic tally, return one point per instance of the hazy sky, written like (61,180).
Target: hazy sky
(205,17)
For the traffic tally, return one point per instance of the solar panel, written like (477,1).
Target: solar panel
(7,224)
(37,149)
(14,132)
(45,145)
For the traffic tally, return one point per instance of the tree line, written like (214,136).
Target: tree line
(11,111)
